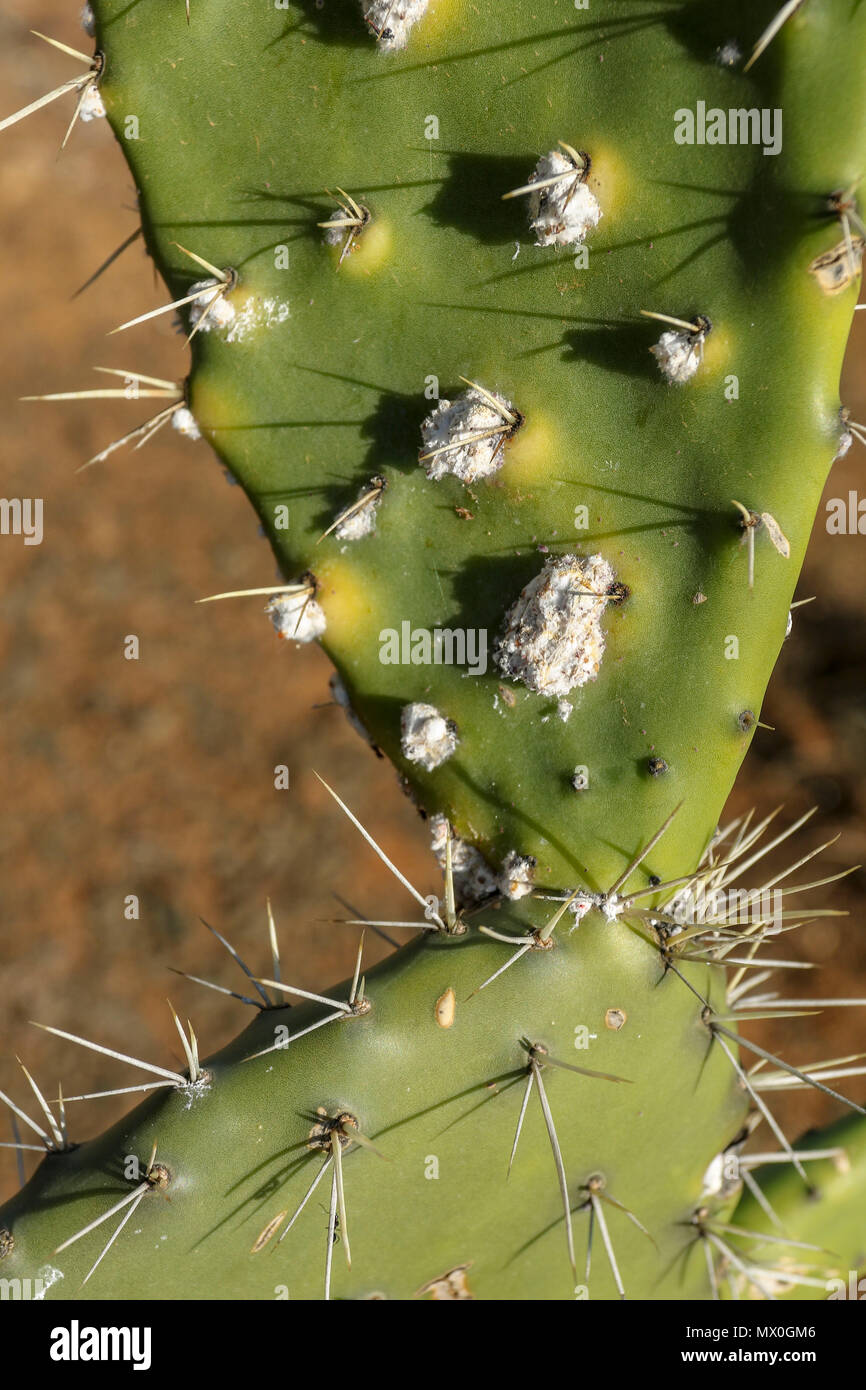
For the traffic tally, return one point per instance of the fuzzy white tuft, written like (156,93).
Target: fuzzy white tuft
(426,736)
(564,212)
(580,906)
(334,236)
(362,522)
(612,906)
(553,639)
(679,354)
(391,21)
(183,421)
(92,106)
(474,880)
(220,315)
(518,874)
(296,617)
(458,423)
(232,323)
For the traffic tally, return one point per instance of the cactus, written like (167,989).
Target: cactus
(553,573)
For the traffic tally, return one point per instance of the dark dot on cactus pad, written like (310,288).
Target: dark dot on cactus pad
(159,1176)
(327,1126)
(656,767)
(617,593)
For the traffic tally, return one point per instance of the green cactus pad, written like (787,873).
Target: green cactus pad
(585,427)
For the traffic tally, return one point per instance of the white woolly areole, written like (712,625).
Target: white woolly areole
(518,873)
(220,315)
(580,906)
(391,20)
(296,617)
(87,20)
(362,522)
(612,906)
(553,640)
(679,354)
(426,736)
(458,423)
(846,439)
(183,421)
(562,213)
(233,324)
(194,1089)
(92,106)
(474,880)
(609,904)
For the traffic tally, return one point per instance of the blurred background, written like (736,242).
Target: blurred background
(156,777)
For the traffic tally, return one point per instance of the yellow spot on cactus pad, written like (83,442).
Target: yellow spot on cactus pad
(371,250)
(348,605)
(609,178)
(718,354)
(528,455)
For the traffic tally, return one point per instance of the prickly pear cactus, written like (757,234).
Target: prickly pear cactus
(521,328)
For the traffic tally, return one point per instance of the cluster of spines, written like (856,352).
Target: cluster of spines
(716,939)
